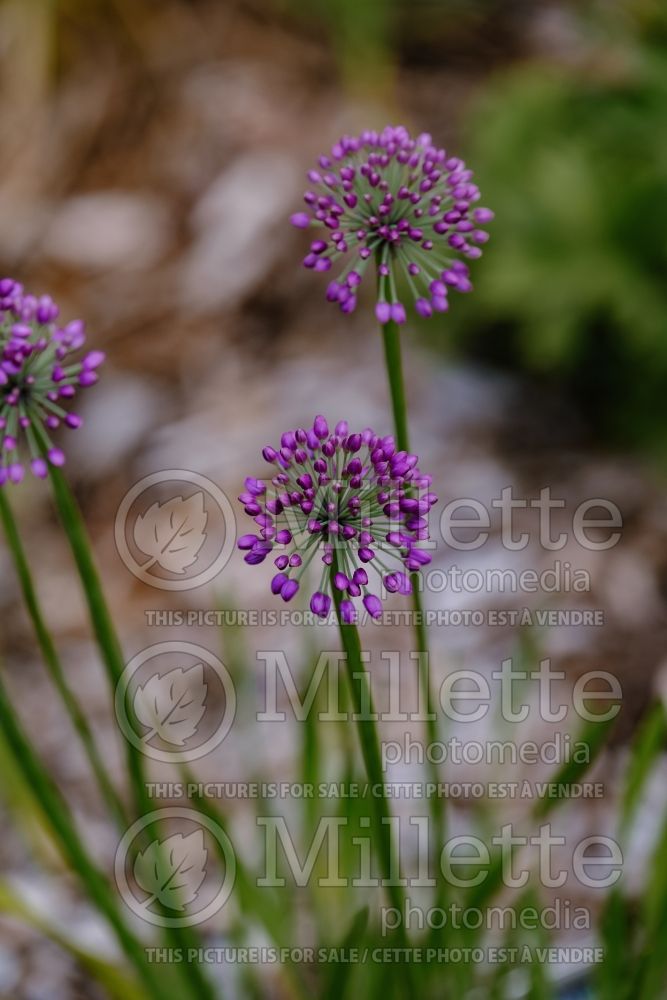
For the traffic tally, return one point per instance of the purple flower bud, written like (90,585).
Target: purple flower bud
(254,486)
(278,582)
(373,605)
(341,582)
(419,558)
(289,589)
(483,215)
(383,312)
(247,541)
(94,359)
(320,604)
(321,427)
(300,219)
(39,468)
(255,558)
(347,612)
(398,583)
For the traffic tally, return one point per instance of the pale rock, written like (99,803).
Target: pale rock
(108,230)
(239,224)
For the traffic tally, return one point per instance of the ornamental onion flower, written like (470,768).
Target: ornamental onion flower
(37,379)
(353,492)
(401,203)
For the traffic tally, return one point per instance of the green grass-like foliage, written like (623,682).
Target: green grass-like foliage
(572,287)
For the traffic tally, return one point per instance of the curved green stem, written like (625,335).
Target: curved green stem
(112,656)
(103,627)
(57,815)
(54,666)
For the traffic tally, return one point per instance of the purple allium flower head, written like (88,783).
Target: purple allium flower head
(38,379)
(352,500)
(401,205)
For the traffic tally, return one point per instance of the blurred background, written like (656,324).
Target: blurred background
(151,155)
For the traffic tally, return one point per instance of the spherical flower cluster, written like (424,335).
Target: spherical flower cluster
(38,379)
(355,500)
(402,203)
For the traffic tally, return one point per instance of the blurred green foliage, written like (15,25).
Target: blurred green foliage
(361,36)
(573,285)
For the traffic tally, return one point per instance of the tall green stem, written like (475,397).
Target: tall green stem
(103,627)
(394,364)
(370,750)
(110,649)
(54,666)
(57,814)
(391,336)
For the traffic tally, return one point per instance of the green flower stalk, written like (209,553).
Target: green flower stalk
(38,379)
(411,210)
(54,666)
